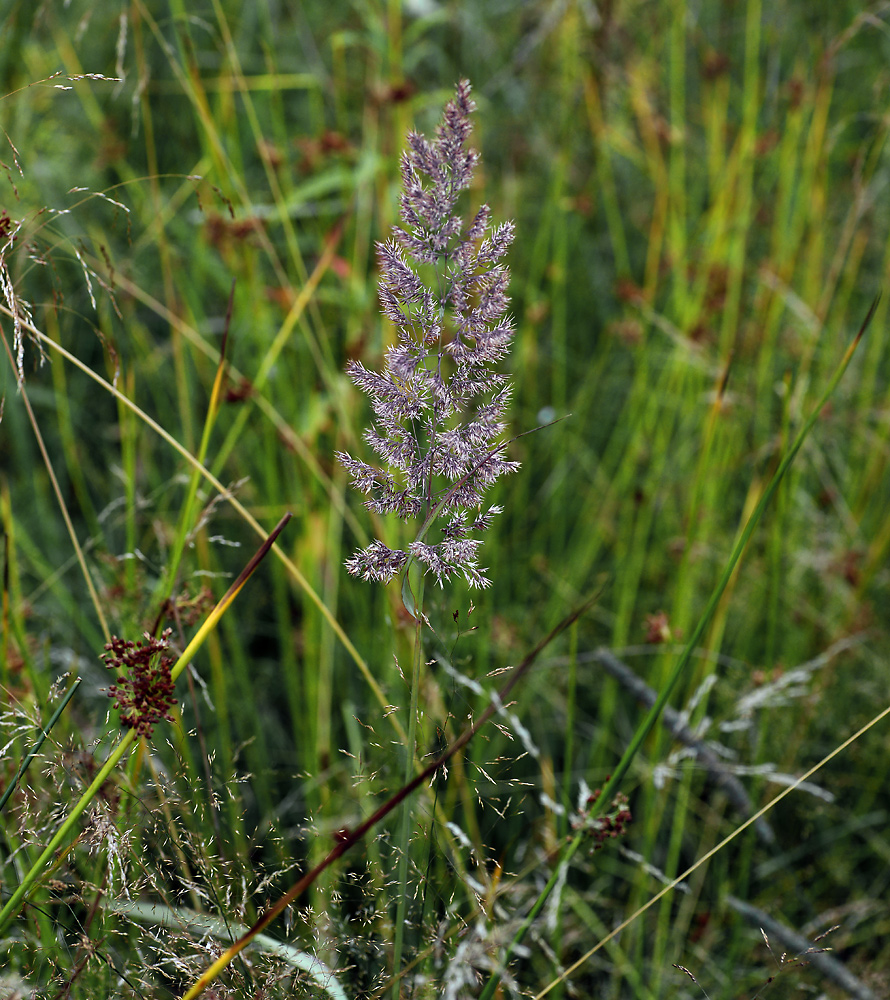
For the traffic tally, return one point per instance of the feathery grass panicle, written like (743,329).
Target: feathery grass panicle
(439,401)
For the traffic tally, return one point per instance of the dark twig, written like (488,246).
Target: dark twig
(348,838)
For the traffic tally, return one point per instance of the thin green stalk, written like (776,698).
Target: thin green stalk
(74,465)
(571,716)
(31,879)
(66,829)
(281,340)
(742,215)
(292,569)
(699,517)
(187,517)
(605,175)
(403,841)
(192,87)
(562,821)
(128,439)
(612,785)
(883,714)
(623,965)
(353,836)
(9,578)
(777,547)
(63,507)
(47,729)
(676,235)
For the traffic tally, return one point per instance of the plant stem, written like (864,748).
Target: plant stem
(34,874)
(403,842)
(643,730)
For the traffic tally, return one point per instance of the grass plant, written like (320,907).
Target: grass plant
(193,196)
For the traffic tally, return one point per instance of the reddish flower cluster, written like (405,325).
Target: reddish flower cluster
(614,823)
(144,690)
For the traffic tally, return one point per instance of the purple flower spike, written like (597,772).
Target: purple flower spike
(438,402)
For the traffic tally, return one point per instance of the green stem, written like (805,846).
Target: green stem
(62,834)
(611,786)
(167,580)
(47,729)
(403,842)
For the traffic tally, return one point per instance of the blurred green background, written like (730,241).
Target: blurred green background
(700,199)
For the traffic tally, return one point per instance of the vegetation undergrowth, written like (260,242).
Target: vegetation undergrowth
(647,761)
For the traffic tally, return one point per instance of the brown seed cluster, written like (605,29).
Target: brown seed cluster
(144,690)
(612,824)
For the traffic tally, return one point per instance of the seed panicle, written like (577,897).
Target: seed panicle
(439,401)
